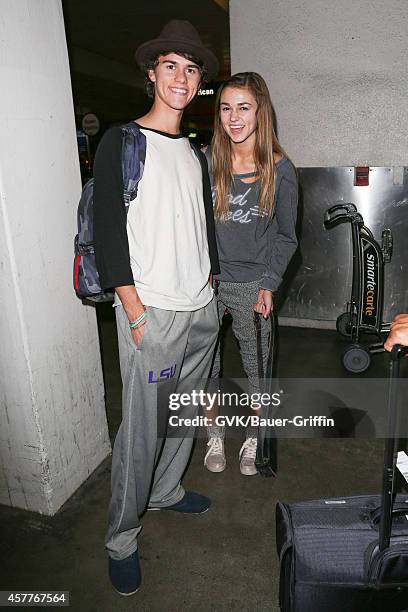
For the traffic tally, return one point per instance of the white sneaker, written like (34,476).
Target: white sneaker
(215,460)
(247,456)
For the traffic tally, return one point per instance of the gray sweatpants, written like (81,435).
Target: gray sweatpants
(240,299)
(177,347)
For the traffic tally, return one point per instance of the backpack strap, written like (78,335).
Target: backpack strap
(133,160)
(208,156)
(209,210)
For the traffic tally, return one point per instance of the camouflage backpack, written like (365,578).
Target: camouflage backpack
(86,278)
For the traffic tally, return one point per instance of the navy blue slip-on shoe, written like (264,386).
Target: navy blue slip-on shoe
(125,575)
(191,503)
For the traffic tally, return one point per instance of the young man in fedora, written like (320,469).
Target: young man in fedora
(158,257)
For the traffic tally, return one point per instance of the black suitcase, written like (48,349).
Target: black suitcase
(348,554)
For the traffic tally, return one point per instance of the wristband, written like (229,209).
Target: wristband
(140,318)
(139,326)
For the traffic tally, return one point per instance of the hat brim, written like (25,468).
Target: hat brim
(150,49)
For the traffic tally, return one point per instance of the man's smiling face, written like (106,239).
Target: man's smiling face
(176,81)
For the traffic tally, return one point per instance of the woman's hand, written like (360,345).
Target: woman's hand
(264,304)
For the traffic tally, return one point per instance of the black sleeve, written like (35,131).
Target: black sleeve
(110,234)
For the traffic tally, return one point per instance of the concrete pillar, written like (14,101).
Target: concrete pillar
(336,72)
(53,430)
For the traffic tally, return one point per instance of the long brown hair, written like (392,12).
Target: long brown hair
(266,144)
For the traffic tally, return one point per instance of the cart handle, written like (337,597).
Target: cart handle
(346,206)
(331,221)
(338,213)
(342,218)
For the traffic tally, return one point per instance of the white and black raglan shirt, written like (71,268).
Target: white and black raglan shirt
(163,245)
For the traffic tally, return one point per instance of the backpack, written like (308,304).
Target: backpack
(86,278)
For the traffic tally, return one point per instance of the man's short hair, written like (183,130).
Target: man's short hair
(151,65)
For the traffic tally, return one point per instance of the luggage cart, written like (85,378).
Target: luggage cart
(365,309)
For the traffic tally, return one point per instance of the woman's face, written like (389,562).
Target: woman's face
(238,114)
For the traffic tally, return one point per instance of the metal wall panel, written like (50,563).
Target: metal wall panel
(318,282)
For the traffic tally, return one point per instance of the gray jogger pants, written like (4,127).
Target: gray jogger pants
(240,299)
(177,347)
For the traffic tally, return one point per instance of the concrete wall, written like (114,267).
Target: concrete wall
(337,73)
(53,430)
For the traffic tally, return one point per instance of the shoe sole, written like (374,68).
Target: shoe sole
(126,594)
(215,470)
(179,511)
(248,473)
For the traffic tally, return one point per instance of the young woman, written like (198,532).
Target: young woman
(255,198)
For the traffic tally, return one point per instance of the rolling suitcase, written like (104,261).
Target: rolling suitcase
(348,554)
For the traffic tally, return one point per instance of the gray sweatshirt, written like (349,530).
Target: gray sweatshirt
(250,245)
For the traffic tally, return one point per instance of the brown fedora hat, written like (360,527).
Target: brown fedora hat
(178,35)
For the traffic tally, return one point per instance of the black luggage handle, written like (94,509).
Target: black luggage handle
(266,459)
(389,453)
(267,375)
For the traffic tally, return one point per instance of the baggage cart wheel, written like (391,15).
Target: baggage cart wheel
(343,324)
(356,358)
